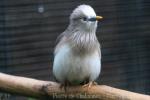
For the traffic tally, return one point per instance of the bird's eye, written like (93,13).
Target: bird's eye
(85,19)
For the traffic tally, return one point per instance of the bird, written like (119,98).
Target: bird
(77,55)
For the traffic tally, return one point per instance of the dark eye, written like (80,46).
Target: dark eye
(85,19)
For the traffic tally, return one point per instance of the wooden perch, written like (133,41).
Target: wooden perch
(46,89)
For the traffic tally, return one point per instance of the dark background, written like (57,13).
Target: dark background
(28,30)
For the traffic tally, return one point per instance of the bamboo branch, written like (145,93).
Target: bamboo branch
(46,89)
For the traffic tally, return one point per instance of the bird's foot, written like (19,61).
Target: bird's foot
(90,84)
(95,83)
(64,85)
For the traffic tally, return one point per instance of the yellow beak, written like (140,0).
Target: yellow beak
(98,18)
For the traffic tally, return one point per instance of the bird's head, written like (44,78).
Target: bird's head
(84,18)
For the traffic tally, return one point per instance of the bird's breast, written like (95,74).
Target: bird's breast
(75,67)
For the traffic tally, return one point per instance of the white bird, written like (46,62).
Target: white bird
(77,56)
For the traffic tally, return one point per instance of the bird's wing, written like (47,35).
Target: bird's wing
(61,39)
(99,51)
(60,43)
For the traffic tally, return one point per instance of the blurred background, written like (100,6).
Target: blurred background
(29,28)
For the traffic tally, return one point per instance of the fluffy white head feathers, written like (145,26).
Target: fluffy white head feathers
(84,18)
(83,11)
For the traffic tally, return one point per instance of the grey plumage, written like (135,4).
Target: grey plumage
(77,54)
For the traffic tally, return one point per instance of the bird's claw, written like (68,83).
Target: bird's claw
(89,84)
(64,85)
